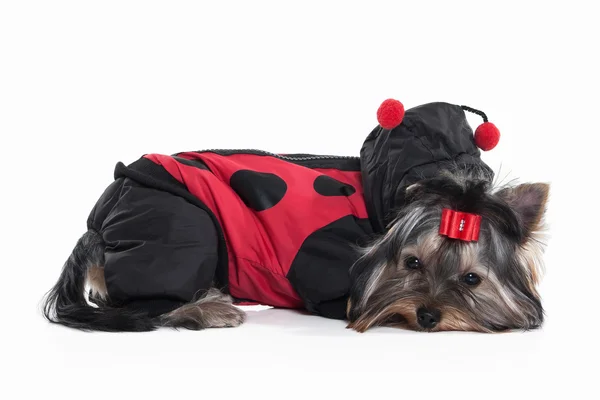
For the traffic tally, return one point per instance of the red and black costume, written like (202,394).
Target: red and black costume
(280,230)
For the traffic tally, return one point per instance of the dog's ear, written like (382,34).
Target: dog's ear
(528,200)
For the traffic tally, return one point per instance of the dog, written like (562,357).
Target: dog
(414,233)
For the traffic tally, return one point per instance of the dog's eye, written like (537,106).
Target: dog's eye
(412,263)
(471,279)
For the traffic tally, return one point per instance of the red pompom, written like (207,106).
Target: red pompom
(487,136)
(390,114)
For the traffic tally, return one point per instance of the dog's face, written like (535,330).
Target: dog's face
(413,277)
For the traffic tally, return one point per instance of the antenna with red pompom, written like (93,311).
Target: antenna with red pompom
(487,135)
(390,114)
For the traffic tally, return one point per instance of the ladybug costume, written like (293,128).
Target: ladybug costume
(272,229)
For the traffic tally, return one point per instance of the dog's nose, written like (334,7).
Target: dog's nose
(428,317)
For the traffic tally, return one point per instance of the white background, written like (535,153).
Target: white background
(84,85)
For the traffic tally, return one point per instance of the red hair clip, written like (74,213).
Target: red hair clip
(460,225)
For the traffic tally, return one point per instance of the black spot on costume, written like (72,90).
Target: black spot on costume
(327,186)
(259,190)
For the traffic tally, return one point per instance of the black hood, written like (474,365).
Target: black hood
(431,137)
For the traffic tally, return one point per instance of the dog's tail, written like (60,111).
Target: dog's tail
(66,304)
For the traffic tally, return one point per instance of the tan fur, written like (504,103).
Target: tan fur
(213,310)
(427,246)
(530,255)
(95,279)
(367,321)
(452,320)
(424,250)
(455,320)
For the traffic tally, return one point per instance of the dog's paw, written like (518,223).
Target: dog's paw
(214,310)
(225,317)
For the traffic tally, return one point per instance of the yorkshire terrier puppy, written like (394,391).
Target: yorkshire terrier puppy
(413,233)
(414,277)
